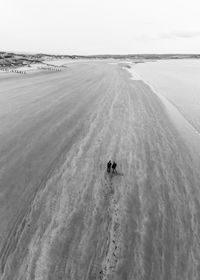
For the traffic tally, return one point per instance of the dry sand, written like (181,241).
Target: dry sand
(61,215)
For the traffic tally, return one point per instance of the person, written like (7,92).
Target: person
(109,166)
(114,165)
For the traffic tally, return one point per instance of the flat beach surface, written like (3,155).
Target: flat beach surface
(62,216)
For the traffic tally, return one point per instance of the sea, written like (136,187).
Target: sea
(177,82)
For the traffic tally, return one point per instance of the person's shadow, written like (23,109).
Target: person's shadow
(116,173)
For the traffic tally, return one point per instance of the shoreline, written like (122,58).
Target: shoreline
(187,130)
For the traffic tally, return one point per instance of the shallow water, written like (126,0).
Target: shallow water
(178,81)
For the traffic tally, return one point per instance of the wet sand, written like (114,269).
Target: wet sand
(61,215)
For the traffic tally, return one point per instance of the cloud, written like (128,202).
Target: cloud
(179,34)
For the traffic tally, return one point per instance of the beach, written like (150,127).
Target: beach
(62,216)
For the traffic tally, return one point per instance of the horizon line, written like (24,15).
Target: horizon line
(89,55)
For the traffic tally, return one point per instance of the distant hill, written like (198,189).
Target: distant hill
(10,59)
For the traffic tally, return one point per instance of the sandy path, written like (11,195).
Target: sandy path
(62,216)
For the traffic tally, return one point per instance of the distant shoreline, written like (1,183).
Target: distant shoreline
(11,59)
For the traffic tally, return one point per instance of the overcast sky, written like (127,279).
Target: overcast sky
(100,26)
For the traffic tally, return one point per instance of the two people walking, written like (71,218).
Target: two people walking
(112,165)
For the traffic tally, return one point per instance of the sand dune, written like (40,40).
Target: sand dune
(62,216)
